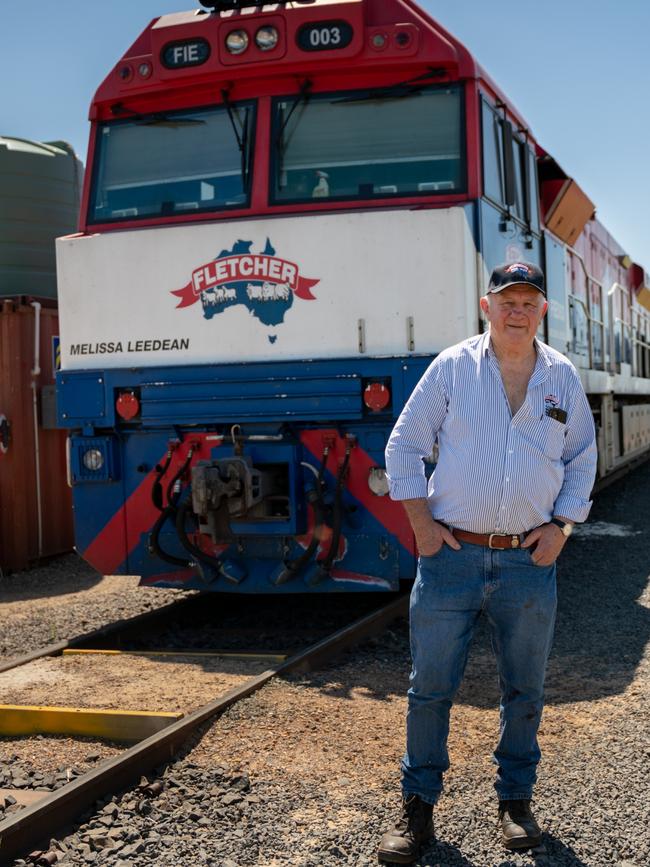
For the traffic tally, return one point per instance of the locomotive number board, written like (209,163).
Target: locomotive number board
(185,52)
(324,35)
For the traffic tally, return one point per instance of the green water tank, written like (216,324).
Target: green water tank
(40,187)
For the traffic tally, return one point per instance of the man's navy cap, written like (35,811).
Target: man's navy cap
(516,273)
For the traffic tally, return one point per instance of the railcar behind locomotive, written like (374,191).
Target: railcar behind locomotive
(287,212)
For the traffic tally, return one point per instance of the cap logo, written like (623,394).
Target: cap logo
(518,268)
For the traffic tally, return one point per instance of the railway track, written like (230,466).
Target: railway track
(112,633)
(54,812)
(60,809)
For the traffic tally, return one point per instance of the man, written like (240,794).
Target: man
(517,460)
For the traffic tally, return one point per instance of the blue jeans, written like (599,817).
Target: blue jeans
(451,590)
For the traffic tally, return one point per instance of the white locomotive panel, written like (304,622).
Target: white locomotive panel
(327,286)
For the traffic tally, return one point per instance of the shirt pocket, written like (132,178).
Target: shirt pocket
(546,435)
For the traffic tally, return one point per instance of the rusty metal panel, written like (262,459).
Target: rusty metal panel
(24,539)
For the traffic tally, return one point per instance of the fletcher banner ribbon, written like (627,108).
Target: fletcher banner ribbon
(249,267)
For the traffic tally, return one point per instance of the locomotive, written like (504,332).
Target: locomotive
(288,211)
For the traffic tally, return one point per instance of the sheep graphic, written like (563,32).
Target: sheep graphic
(268,291)
(219,295)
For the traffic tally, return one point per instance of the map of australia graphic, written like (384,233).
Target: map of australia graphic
(265,284)
(266,301)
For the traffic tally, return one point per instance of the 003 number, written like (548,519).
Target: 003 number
(325,36)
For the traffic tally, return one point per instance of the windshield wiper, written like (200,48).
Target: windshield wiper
(410,87)
(171,122)
(396,92)
(242,138)
(157,119)
(301,98)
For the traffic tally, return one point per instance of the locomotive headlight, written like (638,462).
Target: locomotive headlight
(237,41)
(377,481)
(93,459)
(266,38)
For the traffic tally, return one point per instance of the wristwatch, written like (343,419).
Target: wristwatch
(565,526)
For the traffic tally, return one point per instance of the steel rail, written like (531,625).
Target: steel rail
(102,634)
(27,828)
(58,811)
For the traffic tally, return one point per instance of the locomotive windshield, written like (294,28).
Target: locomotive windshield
(360,146)
(174,163)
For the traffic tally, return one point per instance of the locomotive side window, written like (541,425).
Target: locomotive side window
(533,192)
(515,170)
(174,163)
(518,176)
(493,182)
(525,206)
(376,144)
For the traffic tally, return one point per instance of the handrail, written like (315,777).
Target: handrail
(591,319)
(636,331)
(580,259)
(621,325)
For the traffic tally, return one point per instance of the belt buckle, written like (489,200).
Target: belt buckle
(514,540)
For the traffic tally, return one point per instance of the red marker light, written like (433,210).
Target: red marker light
(127,405)
(376,396)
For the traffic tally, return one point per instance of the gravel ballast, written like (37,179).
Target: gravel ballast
(305,772)
(66,598)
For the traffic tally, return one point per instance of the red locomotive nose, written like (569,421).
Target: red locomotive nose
(127,405)
(376,396)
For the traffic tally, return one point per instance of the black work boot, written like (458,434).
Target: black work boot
(520,830)
(414,827)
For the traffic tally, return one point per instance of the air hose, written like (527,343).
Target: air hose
(290,569)
(169,511)
(293,567)
(337,514)
(181,515)
(154,544)
(174,496)
(157,488)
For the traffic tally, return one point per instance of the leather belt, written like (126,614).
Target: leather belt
(489,540)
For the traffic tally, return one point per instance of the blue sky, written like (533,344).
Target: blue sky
(578,70)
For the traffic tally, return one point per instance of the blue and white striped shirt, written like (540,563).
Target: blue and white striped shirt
(495,473)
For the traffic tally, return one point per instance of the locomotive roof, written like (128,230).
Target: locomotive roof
(437,42)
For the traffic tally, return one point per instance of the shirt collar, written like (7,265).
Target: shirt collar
(542,365)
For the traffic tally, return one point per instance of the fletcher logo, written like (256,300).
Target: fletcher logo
(263,283)
(239,276)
